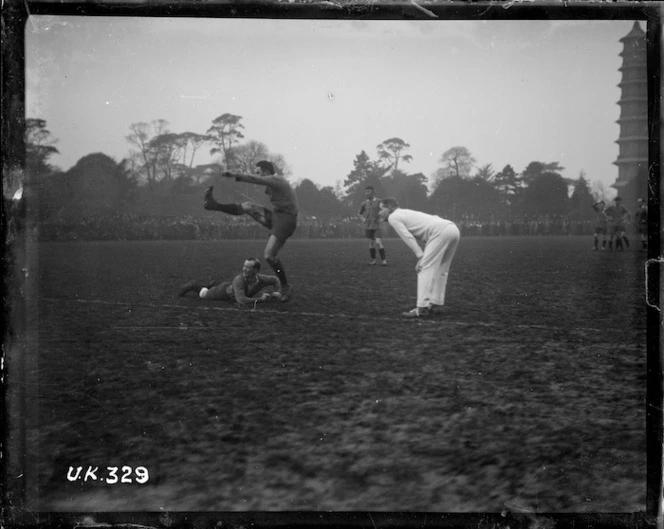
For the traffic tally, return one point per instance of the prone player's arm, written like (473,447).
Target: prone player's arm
(406,236)
(272,281)
(238,289)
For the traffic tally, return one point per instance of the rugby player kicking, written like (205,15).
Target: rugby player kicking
(281,220)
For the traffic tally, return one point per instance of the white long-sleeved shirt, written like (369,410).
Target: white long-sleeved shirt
(413,226)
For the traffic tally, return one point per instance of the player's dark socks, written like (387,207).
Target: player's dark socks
(372,253)
(279,270)
(610,245)
(231,209)
(595,243)
(603,244)
(381,251)
(619,245)
(626,241)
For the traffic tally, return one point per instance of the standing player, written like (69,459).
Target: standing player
(618,216)
(281,221)
(642,223)
(600,224)
(246,288)
(369,213)
(440,238)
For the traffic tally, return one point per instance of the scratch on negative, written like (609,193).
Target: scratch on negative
(659,260)
(423,9)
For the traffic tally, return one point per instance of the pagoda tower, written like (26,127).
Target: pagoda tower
(632,159)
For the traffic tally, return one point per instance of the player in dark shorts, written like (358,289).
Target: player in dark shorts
(281,220)
(642,223)
(369,213)
(601,219)
(246,289)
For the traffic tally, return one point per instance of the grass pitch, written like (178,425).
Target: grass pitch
(528,394)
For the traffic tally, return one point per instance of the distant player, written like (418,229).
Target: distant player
(246,288)
(440,238)
(369,213)
(281,220)
(642,223)
(618,217)
(601,220)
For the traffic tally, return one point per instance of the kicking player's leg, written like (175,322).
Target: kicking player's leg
(260,214)
(283,226)
(211,204)
(271,256)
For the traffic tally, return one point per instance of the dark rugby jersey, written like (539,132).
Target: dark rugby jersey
(369,209)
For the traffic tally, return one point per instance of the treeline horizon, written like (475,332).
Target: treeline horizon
(160,167)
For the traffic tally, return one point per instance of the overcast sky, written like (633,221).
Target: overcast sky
(320,92)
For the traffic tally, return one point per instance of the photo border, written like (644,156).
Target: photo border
(14,18)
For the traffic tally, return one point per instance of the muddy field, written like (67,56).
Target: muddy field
(528,394)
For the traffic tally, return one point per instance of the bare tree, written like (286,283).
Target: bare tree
(141,136)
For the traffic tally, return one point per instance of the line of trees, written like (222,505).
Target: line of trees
(160,169)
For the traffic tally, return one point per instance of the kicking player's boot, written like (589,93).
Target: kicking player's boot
(372,262)
(208,200)
(417,312)
(192,285)
(286,293)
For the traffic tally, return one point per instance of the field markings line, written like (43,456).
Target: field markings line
(431,321)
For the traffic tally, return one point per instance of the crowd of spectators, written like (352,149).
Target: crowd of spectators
(128,227)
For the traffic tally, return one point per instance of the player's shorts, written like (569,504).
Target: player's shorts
(220,292)
(372,233)
(281,225)
(600,230)
(617,228)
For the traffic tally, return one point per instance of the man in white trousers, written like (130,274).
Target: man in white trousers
(440,238)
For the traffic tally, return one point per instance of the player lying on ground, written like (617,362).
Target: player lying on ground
(440,237)
(281,221)
(369,214)
(246,289)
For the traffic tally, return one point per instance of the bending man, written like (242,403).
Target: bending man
(281,221)
(246,288)
(440,238)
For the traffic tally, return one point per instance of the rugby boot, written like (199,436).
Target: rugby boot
(286,293)
(189,286)
(208,200)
